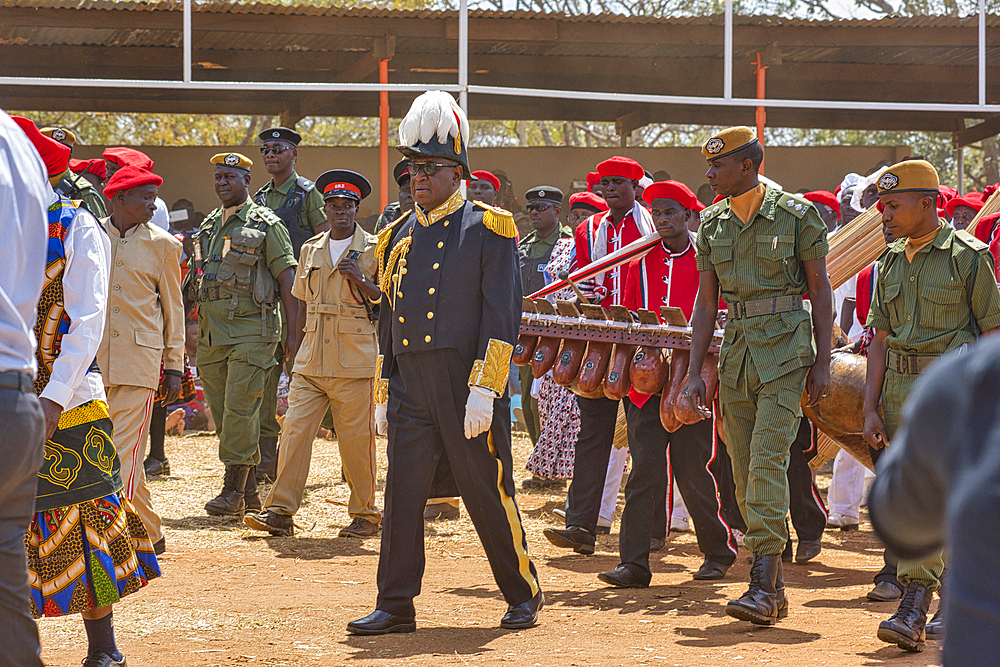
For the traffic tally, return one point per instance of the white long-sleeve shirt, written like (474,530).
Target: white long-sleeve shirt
(24,196)
(85,295)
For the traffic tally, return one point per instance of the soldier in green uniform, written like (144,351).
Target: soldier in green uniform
(70,185)
(296,201)
(534,251)
(244,266)
(935,291)
(763,249)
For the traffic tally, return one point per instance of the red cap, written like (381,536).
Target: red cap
(621,166)
(698,206)
(95,166)
(129,177)
(593,178)
(989,190)
(128,156)
(984,228)
(718,198)
(675,190)
(971,200)
(588,200)
(483,175)
(824,197)
(836,192)
(54,154)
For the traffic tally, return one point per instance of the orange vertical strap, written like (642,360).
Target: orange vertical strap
(383,128)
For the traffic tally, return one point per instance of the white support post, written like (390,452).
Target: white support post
(727,66)
(982,53)
(187,41)
(463,55)
(960,159)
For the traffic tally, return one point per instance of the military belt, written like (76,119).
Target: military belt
(779,304)
(335,309)
(213,294)
(908,364)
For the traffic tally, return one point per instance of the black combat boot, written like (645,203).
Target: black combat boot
(906,627)
(764,602)
(231,500)
(250,496)
(267,469)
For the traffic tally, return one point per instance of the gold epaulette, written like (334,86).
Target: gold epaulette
(383,239)
(497,220)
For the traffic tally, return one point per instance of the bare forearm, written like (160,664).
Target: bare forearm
(875,374)
(702,330)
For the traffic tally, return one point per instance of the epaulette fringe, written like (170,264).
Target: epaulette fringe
(498,221)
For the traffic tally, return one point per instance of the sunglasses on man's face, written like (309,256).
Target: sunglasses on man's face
(277,150)
(428,168)
(538,207)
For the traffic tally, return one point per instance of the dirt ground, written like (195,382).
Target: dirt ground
(232,597)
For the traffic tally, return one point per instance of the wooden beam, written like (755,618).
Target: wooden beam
(976,133)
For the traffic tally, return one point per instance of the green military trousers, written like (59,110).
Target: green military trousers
(759,423)
(233,377)
(895,390)
(269,426)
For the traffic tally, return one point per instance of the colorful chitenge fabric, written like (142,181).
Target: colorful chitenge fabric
(53,322)
(87,555)
(80,459)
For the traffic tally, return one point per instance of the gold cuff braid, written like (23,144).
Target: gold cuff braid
(381,391)
(491,373)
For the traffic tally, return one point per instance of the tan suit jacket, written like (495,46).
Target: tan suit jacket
(339,338)
(145,316)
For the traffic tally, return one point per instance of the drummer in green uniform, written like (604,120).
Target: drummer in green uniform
(244,267)
(761,250)
(299,204)
(935,291)
(534,250)
(70,185)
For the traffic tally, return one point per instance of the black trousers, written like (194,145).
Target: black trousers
(805,504)
(656,457)
(426,413)
(22,447)
(590,461)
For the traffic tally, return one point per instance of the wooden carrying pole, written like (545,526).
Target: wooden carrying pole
(855,246)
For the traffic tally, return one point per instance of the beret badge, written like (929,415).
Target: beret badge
(715,145)
(888,181)
(232,160)
(59,134)
(276,134)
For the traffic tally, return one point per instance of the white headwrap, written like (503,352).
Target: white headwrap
(861,187)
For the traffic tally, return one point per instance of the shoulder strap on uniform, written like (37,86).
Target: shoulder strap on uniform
(968,291)
(797,206)
(713,210)
(304,184)
(498,220)
(971,241)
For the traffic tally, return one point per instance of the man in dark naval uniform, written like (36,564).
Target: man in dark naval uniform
(299,204)
(450,314)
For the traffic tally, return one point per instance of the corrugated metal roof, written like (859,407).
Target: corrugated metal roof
(265,8)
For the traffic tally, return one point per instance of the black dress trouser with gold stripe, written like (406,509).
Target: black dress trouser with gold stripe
(426,412)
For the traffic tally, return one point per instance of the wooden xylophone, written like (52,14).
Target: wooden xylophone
(600,353)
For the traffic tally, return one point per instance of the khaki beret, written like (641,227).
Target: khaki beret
(908,176)
(60,134)
(728,141)
(234,160)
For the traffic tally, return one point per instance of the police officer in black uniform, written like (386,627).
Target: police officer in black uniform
(449,318)
(299,204)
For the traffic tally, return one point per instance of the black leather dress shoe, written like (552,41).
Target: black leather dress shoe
(711,570)
(807,550)
(524,615)
(885,591)
(382,623)
(622,577)
(578,539)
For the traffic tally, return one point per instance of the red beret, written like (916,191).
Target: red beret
(824,197)
(54,154)
(483,175)
(621,166)
(593,178)
(971,200)
(718,198)
(96,166)
(698,206)
(128,156)
(589,201)
(675,190)
(129,177)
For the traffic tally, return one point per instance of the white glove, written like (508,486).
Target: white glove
(381,419)
(478,412)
